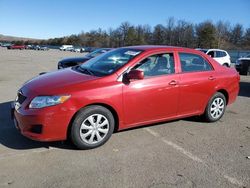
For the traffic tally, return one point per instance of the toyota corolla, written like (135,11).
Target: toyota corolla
(123,88)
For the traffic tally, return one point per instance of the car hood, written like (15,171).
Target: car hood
(64,80)
(244,58)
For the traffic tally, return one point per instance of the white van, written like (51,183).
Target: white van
(65,47)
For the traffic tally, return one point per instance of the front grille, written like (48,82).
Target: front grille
(20,97)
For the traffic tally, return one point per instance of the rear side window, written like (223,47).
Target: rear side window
(220,54)
(193,63)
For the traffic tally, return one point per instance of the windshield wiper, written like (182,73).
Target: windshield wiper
(84,70)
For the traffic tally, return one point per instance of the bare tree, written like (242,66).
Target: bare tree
(222,34)
(236,35)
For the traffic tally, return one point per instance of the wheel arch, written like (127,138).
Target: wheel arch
(226,64)
(225,93)
(109,107)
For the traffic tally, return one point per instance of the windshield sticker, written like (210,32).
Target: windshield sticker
(133,53)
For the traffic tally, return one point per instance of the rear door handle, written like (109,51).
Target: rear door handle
(173,83)
(211,78)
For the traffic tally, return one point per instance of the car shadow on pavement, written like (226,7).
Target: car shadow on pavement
(10,137)
(244,89)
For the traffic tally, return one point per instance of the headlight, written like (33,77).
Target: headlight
(44,101)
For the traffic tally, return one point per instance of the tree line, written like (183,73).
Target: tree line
(174,33)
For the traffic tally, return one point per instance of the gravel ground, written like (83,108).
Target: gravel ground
(183,153)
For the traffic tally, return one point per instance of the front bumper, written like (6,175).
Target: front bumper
(47,124)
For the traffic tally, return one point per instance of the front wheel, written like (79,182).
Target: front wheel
(92,127)
(215,107)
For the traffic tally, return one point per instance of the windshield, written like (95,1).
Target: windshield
(248,55)
(96,53)
(109,62)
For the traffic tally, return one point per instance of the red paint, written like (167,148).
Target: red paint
(143,101)
(18,47)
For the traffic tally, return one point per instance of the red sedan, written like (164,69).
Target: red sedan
(17,47)
(126,87)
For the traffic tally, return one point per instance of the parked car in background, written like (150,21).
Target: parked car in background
(123,88)
(65,47)
(6,44)
(70,49)
(29,46)
(88,49)
(221,56)
(242,65)
(16,46)
(44,48)
(76,50)
(36,47)
(73,61)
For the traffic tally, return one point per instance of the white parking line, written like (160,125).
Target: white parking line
(193,157)
(182,150)
(155,134)
(175,146)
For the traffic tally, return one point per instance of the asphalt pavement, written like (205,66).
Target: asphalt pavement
(183,153)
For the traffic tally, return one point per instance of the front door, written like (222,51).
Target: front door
(156,96)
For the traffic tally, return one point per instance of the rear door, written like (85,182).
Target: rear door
(197,82)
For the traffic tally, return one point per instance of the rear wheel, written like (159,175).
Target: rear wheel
(92,127)
(215,107)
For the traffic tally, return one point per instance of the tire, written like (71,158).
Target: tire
(215,108)
(248,71)
(92,127)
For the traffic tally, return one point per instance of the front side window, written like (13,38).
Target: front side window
(155,65)
(108,63)
(211,53)
(193,63)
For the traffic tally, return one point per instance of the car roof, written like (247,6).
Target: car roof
(211,49)
(157,47)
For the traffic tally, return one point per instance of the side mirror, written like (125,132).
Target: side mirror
(135,75)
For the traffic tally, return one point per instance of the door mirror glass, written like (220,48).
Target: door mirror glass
(135,75)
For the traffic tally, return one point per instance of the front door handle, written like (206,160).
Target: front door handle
(173,83)
(211,78)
